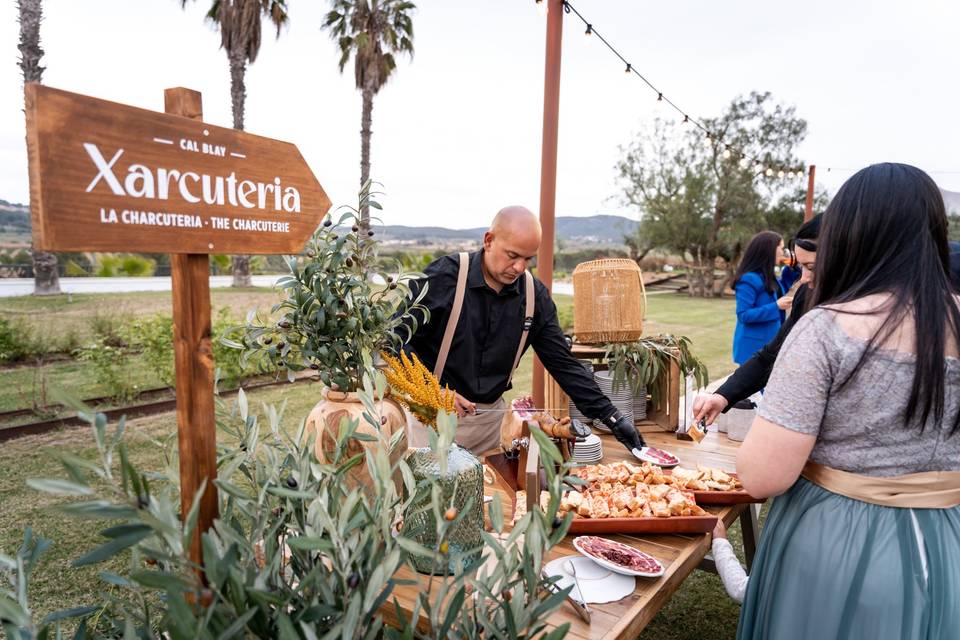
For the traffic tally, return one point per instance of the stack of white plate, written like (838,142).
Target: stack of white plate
(640,404)
(622,399)
(574,412)
(588,451)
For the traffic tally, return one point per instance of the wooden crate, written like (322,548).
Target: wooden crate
(666,413)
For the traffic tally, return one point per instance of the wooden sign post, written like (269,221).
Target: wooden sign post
(109,177)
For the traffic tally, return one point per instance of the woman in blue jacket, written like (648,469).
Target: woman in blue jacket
(761,303)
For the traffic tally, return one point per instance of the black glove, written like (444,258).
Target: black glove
(624,431)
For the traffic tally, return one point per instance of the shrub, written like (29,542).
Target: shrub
(296,553)
(107,266)
(111,328)
(108,364)
(16,342)
(137,266)
(75,270)
(153,336)
(232,368)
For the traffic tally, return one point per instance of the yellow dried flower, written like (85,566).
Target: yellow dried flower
(416,388)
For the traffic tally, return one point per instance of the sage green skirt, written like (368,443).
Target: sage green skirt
(831,567)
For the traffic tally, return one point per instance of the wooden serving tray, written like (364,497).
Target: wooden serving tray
(672,524)
(721,497)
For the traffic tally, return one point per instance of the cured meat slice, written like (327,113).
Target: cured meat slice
(619,554)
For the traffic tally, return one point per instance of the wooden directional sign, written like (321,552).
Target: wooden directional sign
(110,177)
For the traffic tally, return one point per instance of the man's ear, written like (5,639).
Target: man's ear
(487,240)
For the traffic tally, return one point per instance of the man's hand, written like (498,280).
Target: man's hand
(708,407)
(625,432)
(785,302)
(463,406)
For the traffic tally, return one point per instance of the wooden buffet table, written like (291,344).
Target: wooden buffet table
(680,554)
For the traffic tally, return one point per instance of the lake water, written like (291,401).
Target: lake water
(24,286)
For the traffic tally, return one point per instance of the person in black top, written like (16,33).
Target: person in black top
(486,341)
(752,376)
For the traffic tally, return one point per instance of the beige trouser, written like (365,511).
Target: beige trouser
(479,433)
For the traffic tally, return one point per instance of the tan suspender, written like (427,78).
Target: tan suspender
(455,311)
(527,323)
(454,315)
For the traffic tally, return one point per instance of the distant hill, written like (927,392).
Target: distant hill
(14,225)
(585,230)
(15,229)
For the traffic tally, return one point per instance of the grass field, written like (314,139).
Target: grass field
(699,610)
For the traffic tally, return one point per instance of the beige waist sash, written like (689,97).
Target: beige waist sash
(928,490)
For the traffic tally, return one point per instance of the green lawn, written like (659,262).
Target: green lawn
(699,610)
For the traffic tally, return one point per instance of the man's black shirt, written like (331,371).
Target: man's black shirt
(488,334)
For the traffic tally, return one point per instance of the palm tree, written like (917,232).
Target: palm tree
(370,31)
(46,279)
(241,23)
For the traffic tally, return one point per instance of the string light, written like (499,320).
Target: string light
(729,151)
(541,7)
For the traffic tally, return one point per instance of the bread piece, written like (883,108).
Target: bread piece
(600,508)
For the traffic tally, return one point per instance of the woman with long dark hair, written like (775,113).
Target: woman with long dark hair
(857,434)
(761,302)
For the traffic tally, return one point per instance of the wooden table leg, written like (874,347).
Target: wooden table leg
(750,528)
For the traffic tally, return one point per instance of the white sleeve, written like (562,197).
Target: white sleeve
(728,566)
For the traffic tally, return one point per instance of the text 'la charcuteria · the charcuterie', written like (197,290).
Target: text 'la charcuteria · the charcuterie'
(141,181)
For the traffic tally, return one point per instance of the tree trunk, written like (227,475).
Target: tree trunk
(240,265)
(46,279)
(46,275)
(366,119)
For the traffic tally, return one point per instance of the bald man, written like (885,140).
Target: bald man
(474,341)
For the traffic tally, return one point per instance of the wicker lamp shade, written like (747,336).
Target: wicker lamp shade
(609,301)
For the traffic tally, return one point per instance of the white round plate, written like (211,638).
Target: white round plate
(615,567)
(642,455)
(600,585)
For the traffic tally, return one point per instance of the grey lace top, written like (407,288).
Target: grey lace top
(860,428)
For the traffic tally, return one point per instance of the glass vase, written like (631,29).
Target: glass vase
(462,483)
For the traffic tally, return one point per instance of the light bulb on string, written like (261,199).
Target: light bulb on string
(659,107)
(743,163)
(780,174)
(686,118)
(628,69)
(542,7)
(726,154)
(758,168)
(769,172)
(589,31)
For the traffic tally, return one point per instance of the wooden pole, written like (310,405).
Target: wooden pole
(548,165)
(193,353)
(808,212)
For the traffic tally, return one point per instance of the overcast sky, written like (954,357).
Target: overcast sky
(457,131)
